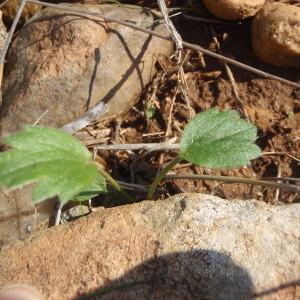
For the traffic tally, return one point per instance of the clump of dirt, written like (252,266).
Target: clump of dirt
(175,96)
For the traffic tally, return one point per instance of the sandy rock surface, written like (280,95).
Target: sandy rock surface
(234,9)
(190,246)
(276,35)
(62,63)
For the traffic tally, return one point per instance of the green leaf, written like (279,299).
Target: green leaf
(217,139)
(96,188)
(150,112)
(57,162)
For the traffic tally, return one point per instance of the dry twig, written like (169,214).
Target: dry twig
(58,213)
(90,116)
(277,192)
(184,86)
(229,179)
(229,74)
(212,21)
(171,28)
(168,130)
(283,178)
(40,117)
(4,3)
(282,153)
(167,145)
(11,31)
(8,40)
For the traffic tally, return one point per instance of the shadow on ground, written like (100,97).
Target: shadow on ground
(198,274)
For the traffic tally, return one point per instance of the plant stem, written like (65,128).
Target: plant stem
(113,182)
(161,175)
(229,179)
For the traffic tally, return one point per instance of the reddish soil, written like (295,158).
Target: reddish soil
(272,106)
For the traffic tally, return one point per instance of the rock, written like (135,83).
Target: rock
(276,35)
(74,213)
(234,9)
(18,215)
(190,246)
(61,62)
(11,7)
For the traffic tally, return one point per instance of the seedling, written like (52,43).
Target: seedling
(215,140)
(60,165)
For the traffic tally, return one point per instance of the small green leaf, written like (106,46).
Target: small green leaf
(150,112)
(217,139)
(57,162)
(96,188)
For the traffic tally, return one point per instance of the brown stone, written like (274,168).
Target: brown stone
(276,35)
(190,246)
(64,63)
(234,9)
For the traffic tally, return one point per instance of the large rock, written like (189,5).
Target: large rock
(65,63)
(234,9)
(62,62)
(276,35)
(186,247)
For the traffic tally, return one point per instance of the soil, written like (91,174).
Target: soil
(172,99)
(272,106)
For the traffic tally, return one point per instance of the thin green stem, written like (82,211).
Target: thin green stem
(113,182)
(161,175)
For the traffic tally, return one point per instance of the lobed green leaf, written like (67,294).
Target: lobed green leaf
(57,162)
(216,139)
